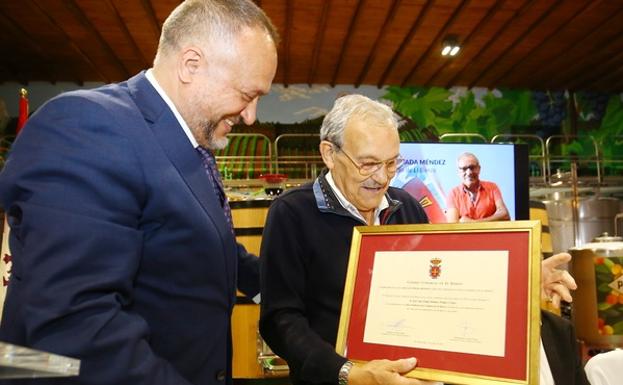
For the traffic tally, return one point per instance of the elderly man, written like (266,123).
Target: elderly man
(474,200)
(306,242)
(307,236)
(123,250)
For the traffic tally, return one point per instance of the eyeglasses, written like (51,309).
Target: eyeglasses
(470,167)
(369,168)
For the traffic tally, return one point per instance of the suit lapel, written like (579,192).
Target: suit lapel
(171,137)
(554,355)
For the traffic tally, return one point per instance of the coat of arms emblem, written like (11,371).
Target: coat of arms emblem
(435,268)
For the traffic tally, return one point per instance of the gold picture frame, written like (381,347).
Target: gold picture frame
(480,280)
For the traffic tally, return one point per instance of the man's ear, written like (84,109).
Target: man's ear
(327,151)
(189,63)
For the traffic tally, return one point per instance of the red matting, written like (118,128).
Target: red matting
(512,365)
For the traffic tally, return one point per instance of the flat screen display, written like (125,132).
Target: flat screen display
(430,171)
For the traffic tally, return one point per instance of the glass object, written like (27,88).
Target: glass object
(369,168)
(20,362)
(274,184)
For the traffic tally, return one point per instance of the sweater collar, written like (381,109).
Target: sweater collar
(327,200)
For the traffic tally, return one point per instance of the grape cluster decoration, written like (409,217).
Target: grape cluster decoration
(551,106)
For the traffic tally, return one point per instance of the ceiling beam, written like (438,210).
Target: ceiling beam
(485,48)
(606,71)
(372,55)
(465,42)
(518,39)
(405,42)
(346,41)
(23,36)
(560,66)
(611,82)
(126,32)
(321,28)
(87,25)
(151,16)
(589,5)
(600,52)
(436,41)
(73,45)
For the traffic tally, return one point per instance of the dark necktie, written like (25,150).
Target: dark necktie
(209,163)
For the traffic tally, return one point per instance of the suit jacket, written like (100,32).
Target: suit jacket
(561,349)
(122,255)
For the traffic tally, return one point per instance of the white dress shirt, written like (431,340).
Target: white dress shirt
(351,208)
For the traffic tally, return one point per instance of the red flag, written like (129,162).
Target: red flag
(6,261)
(23,110)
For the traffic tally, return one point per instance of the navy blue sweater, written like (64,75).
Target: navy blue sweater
(303,259)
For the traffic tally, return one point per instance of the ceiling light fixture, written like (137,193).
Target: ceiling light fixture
(450,46)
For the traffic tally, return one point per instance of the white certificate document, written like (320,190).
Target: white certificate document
(442,300)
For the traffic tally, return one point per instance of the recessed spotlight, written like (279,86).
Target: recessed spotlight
(450,46)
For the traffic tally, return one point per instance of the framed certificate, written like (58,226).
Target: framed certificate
(464,299)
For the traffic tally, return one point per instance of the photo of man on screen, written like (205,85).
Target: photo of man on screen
(474,200)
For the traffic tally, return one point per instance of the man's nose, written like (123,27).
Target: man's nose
(248,115)
(381,176)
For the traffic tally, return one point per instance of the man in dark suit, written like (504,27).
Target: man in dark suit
(561,351)
(123,250)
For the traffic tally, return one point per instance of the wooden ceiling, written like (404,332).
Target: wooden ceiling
(536,44)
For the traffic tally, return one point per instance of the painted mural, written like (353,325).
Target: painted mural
(590,122)
(582,126)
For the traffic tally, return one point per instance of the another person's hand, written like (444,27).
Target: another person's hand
(385,372)
(556,284)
